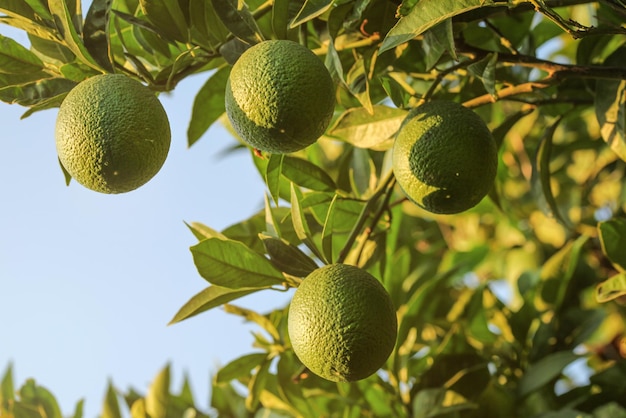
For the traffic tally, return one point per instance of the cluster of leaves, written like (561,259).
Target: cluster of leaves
(514,308)
(32,400)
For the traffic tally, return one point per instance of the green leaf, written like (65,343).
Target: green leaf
(333,64)
(362,172)
(287,257)
(138,409)
(541,172)
(485,71)
(206,27)
(544,371)
(31,94)
(437,40)
(280,18)
(560,268)
(310,10)
(111,406)
(611,288)
(31,16)
(257,385)
(362,129)
(16,59)
(610,105)
(358,84)
(327,231)
(426,14)
(271,224)
(54,52)
(167,16)
(7,390)
(40,7)
(250,315)
(306,174)
(41,398)
(96,33)
(64,19)
(209,298)
(300,225)
(433,402)
(239,367)
(78,409)
(158,396)
(613,241)
(233,265)
(202,231)
(610,410)
(238,19)
(610,100)
(208,105)
(272,175)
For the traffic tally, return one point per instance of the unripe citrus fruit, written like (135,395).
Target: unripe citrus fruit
(342,323)
(279,96)
(444,157)
(112,133)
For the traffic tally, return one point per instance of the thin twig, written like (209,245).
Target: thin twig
(365,212)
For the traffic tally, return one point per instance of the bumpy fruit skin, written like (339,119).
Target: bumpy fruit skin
(444,157)
(279,97)
(342,323)
(112,134)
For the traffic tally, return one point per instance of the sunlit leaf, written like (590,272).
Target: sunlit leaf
(611,288)
(256,385)
(327,231)
(64,19)
(232,264)
(310,10)
(138,409)
(239,367)
(433,402)
(209,298)
(300,225)
(202,231)
(358,84)
(426,14)
(158,396)
(111,406)
(360,128)
(261,320)
(272,175)
(610,104)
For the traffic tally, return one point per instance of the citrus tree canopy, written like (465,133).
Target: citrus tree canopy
(505,266)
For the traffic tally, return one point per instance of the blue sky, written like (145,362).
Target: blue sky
(88,282)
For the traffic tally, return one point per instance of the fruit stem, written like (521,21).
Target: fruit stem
(385,185)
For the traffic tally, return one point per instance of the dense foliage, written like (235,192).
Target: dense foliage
(513,308)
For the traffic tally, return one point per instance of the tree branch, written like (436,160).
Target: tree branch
(556,70)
